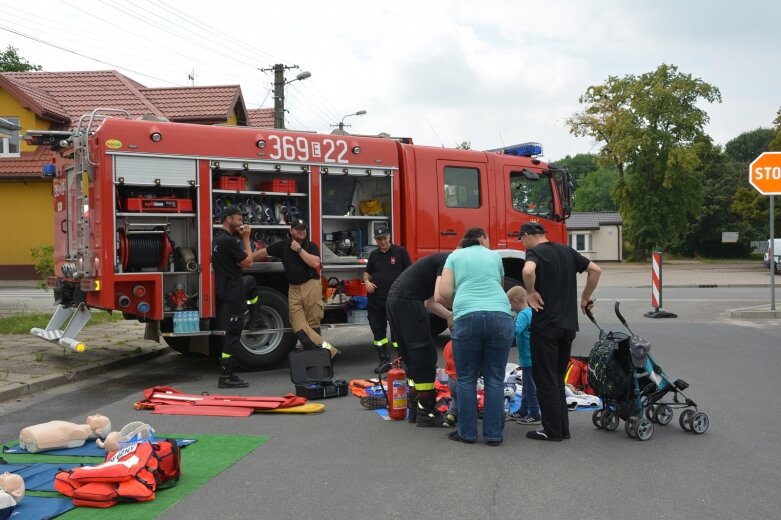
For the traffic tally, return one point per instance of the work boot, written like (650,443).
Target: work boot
(227,378)
(412,406)
(255,318)
(382,352)
(428,416)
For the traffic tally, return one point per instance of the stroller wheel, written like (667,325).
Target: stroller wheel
(650,412)
(630,427)
(663,414)
(699,423)
(685,420)
(596,418)
(610,420)
(644,429)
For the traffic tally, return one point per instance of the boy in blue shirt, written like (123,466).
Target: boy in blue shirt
(529,412)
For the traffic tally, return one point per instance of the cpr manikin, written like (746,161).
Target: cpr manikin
(11,491)
(62,434)
(130,434)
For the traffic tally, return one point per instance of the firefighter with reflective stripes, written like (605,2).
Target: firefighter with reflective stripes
(385,264)
(229,257)
(410,300)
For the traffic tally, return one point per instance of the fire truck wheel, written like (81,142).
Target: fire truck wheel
(510,282)
(262,351)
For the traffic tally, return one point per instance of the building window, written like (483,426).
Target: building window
(9,136)
(462,187)
(580,241)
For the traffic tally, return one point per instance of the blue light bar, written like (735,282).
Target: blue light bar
(524,149)
(49,170)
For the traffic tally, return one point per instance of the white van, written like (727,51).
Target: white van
(776,254)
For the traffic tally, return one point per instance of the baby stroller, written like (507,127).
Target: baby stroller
(634,388)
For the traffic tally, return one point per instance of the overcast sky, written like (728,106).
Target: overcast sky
(441,72)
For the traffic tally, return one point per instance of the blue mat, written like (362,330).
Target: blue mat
(38,476)
(89,449)
(41,508)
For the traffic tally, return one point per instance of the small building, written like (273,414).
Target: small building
(597,235)
(54,101)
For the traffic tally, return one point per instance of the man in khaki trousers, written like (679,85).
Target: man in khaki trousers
(301,259)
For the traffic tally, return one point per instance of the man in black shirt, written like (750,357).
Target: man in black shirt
(410,299)
(549,277)
(301,259)
(385,264)
(229,256)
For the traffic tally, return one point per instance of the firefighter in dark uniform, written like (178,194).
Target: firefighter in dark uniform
(410,299)
(301,260)
(385,264)
(228,258)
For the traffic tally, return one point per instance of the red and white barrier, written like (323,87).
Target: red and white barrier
(656,289)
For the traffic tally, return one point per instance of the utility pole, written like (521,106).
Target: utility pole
(279,90)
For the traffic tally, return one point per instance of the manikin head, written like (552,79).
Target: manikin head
(100,424)
(12,484)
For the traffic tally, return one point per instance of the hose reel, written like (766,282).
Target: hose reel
(144,250)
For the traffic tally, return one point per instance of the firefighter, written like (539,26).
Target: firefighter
(410,299)
(385,264)
(228,259)
(301,260)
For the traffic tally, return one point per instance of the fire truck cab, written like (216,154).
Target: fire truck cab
(137,203)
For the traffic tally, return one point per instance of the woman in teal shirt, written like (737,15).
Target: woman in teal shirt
(482,333)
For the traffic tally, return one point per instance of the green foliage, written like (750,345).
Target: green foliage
(22,323)
(720,182)
(464,145)
(43,262)
(652,130)
(747,146)
(595,191)
(10,61)
(579,166)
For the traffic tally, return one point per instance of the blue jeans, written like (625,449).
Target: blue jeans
(481,345)
(529,403)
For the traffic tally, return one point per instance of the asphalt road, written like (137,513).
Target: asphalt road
(347,463)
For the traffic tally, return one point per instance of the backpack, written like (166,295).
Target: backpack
(577,374)
(130,474)
(608,376)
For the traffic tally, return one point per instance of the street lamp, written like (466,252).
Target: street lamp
(341,124)
(279,90)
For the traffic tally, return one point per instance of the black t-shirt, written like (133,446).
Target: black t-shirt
(385,267)
(296,270)
(417,282)
(556,282)
(227,252)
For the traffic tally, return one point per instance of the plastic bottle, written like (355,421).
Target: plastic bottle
(196,322)
(177,322)
(442,375)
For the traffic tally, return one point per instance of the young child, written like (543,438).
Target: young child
(529,412)
(450,369)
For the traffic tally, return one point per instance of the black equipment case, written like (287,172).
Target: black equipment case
(313,374)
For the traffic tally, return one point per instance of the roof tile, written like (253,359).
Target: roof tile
(585,220)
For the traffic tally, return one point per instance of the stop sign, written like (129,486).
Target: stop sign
(765,173)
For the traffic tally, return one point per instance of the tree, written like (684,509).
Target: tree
(595,191)
(464,145)
(10,61)
(579,165)
(652,131)
(751,206)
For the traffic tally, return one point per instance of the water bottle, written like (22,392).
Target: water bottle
(442,376)
(190,321)
(177,322)
(196,322)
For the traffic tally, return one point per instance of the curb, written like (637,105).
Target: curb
(50,381)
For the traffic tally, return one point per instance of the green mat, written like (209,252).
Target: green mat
(201,462)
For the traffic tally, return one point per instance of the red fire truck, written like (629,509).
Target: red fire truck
(136,203)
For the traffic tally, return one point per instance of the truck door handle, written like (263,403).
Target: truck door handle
(62,226)
(448,233)
(513,234)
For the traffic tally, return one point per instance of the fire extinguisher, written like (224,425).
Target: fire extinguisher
(397,391)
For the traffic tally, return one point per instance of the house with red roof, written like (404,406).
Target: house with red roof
(56,101)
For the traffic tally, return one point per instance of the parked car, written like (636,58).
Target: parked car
(776,254)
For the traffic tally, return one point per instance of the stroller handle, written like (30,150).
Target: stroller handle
(621,317)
